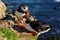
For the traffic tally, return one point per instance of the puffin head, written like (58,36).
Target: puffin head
(31,18)
(22,8)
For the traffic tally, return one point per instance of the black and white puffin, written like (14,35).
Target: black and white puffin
(29,22)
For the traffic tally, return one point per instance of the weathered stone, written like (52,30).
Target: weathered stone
(2,10)
(6,23)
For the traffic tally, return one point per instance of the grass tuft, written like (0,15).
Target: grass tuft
(11,35)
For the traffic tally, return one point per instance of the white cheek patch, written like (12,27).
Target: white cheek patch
(26,8)
(43,32)
(31,18)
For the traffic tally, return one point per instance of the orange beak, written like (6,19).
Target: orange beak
(26,14)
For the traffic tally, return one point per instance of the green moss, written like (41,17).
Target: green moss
(11,35)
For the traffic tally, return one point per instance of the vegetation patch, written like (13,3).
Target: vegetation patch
(8,34)
(11,35)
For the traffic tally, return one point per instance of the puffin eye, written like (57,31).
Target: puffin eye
(24,7)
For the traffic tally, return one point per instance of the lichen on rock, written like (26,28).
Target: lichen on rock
(2,10)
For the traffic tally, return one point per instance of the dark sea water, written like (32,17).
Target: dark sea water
(44,10)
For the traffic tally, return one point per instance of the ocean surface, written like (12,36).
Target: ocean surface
(44,10)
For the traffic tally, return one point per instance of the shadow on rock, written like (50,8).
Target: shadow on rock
(19,29)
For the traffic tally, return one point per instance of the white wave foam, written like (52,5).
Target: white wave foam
(57,0)
(43,32)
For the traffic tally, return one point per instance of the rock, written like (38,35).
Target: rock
(6,23)
(11,23)
(2,10)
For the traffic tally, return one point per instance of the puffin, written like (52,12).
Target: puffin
(29,22)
